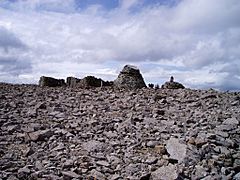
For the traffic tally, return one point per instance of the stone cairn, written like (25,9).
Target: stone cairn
(172,84)
(129,78)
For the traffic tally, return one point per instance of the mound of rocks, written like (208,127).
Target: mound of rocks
(51,82)
(172,84)
(130,78)
(147,134)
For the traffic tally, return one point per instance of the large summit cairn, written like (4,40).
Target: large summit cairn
(129,78)
(172,84)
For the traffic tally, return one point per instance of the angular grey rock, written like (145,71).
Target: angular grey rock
(165,172)
(24,170)
(50,82)
(116,177)
(130,78)
(176,149)
(237,176)
(41,106)
(70,174)
(232,121)
(12,177)
(133,168)
(27,151)
(68,163)
(59,147)
(226,127)
(103,163)
(93,145)
(97,175)
(151,160)
(152,144)
(40,135)
(200,172)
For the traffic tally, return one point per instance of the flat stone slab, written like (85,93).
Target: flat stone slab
(165,172)
(176,149)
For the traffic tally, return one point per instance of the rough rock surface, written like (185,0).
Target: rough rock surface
(130,78)
(72,81)
(51,82)
(91,81)
(65,133)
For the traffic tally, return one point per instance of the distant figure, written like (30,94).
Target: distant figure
(156,86)
(150,85)
(171,79)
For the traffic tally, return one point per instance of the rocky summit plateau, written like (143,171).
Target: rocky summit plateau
(108,133)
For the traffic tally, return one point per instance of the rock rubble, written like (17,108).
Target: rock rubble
(105,133)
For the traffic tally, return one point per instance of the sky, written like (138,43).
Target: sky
(196,41)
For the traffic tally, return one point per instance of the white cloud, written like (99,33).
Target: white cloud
(126,4)
(194,40)
(206,16)
(65,6)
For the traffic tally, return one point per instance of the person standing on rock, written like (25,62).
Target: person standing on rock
(171,79)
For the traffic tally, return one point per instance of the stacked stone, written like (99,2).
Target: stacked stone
(91,81)
(72,82)
(129,78)
(51,82)
(172,84)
